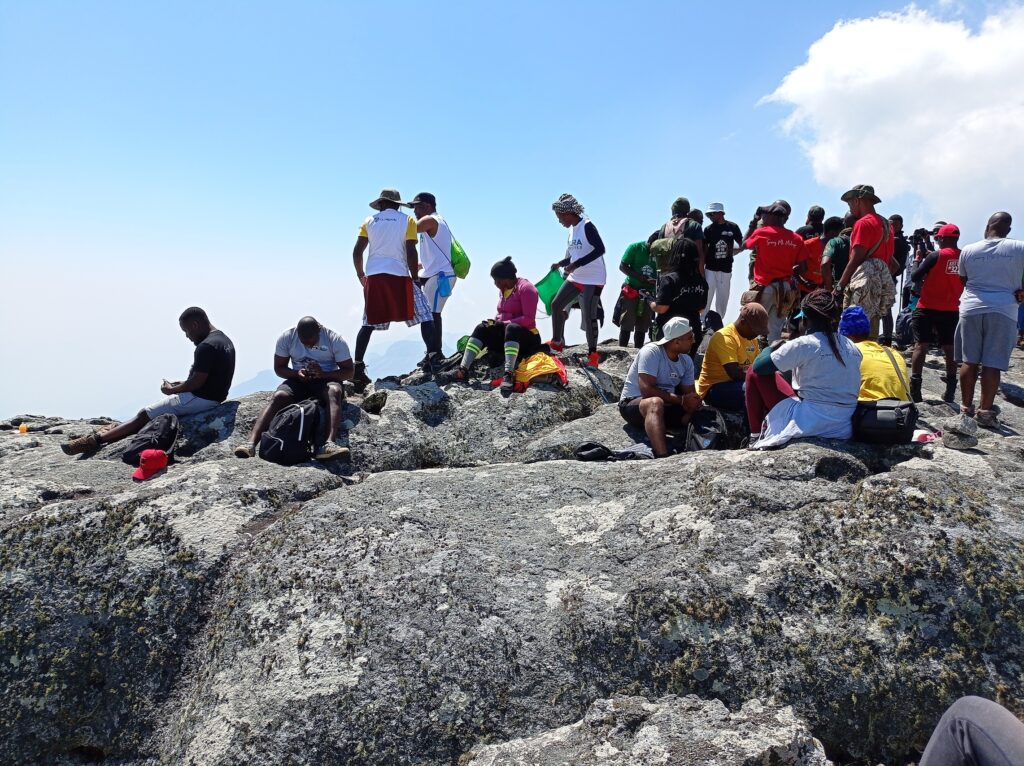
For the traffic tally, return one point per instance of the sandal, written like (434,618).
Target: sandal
(83,444)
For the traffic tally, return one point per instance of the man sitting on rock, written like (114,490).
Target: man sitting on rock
(659,391)
(514,330)
(320,361)
(729,355)
(883,374)
(209,380)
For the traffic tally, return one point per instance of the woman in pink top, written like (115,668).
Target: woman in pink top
(514,330)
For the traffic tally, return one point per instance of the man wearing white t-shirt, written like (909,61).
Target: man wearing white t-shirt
(437,274)
(659,390)
(314,361)
(992,272)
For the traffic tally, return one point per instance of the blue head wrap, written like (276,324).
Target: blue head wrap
(854,322)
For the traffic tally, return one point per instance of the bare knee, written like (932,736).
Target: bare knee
(653,405)
(335,393)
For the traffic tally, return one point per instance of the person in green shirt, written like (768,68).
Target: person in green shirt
(837,250)
(641,274)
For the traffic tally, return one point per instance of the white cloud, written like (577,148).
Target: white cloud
(917,105)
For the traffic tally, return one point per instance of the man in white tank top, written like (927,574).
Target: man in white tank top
(437,275)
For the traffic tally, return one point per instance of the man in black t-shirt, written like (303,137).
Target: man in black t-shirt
(722,240)
(209,380)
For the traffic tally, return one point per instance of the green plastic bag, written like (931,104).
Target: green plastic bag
(548,287)
(460,261)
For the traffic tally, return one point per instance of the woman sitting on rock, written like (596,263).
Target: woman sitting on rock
(514,330)
(826,381)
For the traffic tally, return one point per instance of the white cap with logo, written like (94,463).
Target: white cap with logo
(674,328)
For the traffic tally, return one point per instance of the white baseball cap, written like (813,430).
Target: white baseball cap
(674,328)
(715,207)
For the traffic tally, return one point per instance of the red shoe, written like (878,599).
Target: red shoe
(554,345)
(593,359)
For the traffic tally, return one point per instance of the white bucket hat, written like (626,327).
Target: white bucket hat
(715,207)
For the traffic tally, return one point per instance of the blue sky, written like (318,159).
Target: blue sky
(159,155)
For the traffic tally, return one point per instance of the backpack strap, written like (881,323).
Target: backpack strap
(883,238)
(899,373)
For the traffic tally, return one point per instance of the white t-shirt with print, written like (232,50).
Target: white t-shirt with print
(329,349)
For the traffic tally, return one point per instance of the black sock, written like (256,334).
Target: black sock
(362,341)
(437,333)
(427,333)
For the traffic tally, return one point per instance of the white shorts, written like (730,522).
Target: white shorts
(435,300)
(180,404)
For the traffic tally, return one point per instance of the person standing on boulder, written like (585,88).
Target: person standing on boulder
(938,309)
(867,280)
(585,275)
(208,383)
(514,331)
(681,225)
(438,273)
(778,260)
(641,274)
(682,291)
(389,292)
(314,362)
(992,271)
(722,239)
(659,391)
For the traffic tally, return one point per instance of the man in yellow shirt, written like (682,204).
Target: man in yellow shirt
(883,374)
(730,353)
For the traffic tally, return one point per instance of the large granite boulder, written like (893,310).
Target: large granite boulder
(686,730)
(233,611)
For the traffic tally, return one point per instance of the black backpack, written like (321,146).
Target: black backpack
(706,430)
(159,433)
(904,336)
(292,434)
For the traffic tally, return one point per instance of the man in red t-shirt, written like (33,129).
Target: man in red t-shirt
(814,248)
(938,308)
(867,280)
(778,260)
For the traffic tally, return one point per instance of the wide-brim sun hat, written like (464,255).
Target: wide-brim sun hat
(387,195)
(861,191)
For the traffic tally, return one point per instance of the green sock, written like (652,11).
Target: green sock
(473,348)
(511,355)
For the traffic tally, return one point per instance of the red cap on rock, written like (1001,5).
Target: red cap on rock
(151,462)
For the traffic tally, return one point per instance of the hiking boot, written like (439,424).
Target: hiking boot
(461,375)
(431,363)
(331,451)
(82,445)
(360,380)
(950,393)
(245,450)
(915,388)
(508,383)
(593,360)
(555,346)
(987,419)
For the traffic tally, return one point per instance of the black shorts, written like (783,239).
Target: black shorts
(929,324)
(300,390)
(630,411)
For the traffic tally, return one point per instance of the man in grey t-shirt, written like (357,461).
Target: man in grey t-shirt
(659,391)
(314,361)
(993,274)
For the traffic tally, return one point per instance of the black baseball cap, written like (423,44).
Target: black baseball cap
(425,197)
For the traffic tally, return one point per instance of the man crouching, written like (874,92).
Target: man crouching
(659,391)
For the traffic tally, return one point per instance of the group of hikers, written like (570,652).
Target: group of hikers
(812,337)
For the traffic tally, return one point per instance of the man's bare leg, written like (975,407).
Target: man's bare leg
(653,410)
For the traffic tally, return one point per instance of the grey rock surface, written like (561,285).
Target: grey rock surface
(399,610)
(684,730)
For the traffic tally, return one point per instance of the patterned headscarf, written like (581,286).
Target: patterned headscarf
(823,303)
(566,203)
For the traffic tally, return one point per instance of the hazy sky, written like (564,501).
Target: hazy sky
(159,155)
